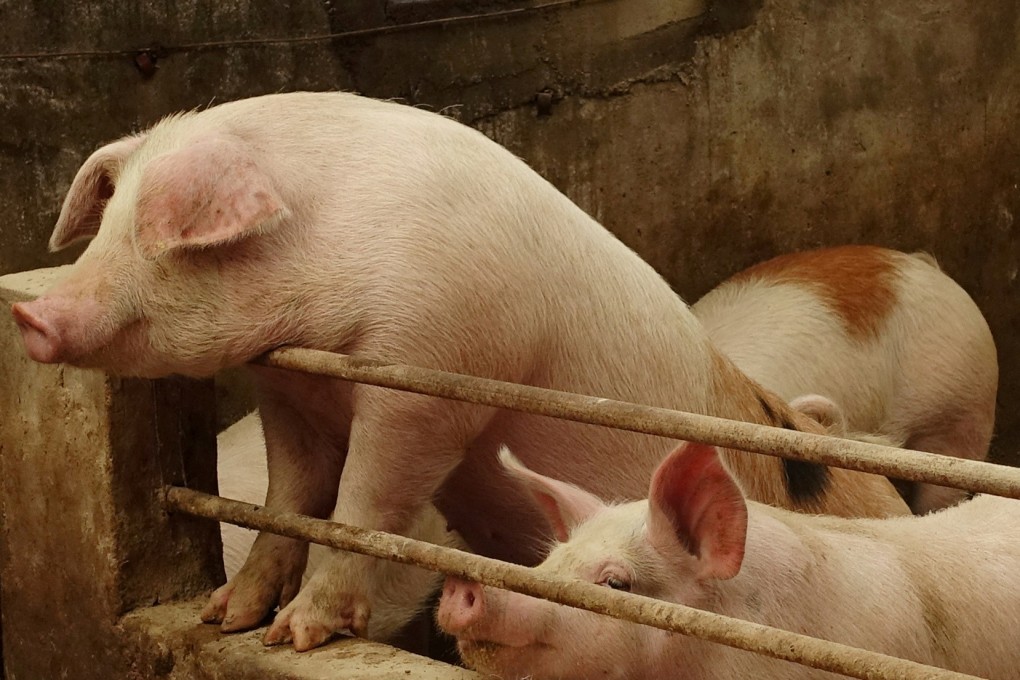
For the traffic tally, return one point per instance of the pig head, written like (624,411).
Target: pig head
(145,203)
(677,546)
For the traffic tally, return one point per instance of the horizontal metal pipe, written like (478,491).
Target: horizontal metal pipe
(753,637)
(960,473)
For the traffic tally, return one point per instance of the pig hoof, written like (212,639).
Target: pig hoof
(308,627)
(277,635)
(240,617)
(216,609)
(229,607)
(305,634)
(310,636)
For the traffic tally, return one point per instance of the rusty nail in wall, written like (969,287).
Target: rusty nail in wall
(145,61)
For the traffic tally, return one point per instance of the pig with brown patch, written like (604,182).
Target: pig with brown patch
(939,589)
(896,343)
(339,223)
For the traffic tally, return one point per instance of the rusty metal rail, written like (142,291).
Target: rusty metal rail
(753,637)
(999,480)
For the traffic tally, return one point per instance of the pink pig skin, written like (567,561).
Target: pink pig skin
(343,224)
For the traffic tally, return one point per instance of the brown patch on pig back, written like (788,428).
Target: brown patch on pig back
(855,282)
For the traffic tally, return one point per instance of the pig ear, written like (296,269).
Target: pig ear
(564,505)
(82,212)
(693,501)
(211,192)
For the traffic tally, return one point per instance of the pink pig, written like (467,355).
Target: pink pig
(940,589)
(897,344)
(339,223)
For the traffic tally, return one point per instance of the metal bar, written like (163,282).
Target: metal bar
(753,637)
(960,473)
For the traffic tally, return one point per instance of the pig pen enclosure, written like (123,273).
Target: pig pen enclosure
(706,136)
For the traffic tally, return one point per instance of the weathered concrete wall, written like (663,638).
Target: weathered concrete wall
(706,145)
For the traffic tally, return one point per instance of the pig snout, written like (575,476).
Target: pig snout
(61,329)
(41,337)
(500,632)
(477,615)
(462,605)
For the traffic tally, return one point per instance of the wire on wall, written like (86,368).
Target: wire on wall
(166,50)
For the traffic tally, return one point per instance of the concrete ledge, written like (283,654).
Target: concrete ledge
(173,645)
(29,285)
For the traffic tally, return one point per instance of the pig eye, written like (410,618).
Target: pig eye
(616,583)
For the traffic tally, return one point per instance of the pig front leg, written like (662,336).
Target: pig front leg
(304,472)
(402,448)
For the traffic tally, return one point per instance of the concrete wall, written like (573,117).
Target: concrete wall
(706,144)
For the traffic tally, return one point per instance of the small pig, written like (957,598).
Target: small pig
(339,223)
(900,346)
(941,589)
(404,591)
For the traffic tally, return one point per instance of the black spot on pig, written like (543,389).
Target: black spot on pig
(805,482)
